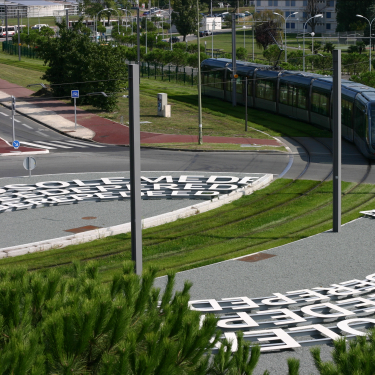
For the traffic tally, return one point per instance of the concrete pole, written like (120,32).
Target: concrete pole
(336,140)
(135,167)
(234,93)
(67,18)
(13,114)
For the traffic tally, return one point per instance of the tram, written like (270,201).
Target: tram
(300,95)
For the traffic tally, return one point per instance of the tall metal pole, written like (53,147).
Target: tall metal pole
(234,93)
(6,23)
(336,140)
(19,35)
(146,34)
(253,37)
(75,114)
(370,44)
(246,103)
(135,167)
(200,130)
(138,40)
(67,18)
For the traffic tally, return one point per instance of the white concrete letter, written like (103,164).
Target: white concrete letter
(327,305)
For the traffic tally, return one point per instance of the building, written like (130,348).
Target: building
(36,8)
(295,23)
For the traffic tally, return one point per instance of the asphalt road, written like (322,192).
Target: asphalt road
(33,134)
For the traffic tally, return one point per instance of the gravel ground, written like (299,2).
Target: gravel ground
(320,260)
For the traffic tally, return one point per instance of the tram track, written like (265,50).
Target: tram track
(248,247)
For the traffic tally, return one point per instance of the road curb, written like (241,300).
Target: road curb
(169,217)
(19,153)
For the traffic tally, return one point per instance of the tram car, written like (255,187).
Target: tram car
(300,95)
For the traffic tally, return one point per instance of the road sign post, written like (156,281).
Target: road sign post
(75,95)
(29,164)
(13,113)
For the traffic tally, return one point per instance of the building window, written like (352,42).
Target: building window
(287,25)
(328,15)
(276,3)
(292,25)
(328,26)
(305,3)
(293,3)
(304,15)
(287,14)
(287,3)
(258,3)
(330,3)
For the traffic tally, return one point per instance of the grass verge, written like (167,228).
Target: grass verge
(283,212)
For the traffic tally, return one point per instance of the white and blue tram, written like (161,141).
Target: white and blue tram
(301,95)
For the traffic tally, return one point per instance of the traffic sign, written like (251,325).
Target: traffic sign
(29,164)
(16,144)
(75,93)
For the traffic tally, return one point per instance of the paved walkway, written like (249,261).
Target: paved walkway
(60,116)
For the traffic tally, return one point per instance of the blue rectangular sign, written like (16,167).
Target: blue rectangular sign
(75,93)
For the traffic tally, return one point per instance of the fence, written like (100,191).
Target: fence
(12,49)
(170,73)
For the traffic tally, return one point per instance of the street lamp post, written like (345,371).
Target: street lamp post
(285,19)
(370,23)
(304,27)
(126,12)
(244,28)
(212,36)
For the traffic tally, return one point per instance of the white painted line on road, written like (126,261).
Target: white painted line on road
(4,114)
(27,126)
(86,144)
(67,142)
(36,145)
(51,144)
(44,135)
(17,120)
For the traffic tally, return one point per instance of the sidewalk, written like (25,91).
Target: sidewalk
(60,117)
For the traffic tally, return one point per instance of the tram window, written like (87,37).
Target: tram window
(372,125)
(346,112)
(239,85)
(283,93)
(249,87)
(320,103)
(360,120)
(302,97)
(265,89)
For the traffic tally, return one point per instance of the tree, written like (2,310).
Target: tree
(184,17)
(346,12)
(272,53)
(329,47)
(241,53)
(74,62)
(313,8)
(267,33)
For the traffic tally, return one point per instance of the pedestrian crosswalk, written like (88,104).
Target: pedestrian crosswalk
(52,145)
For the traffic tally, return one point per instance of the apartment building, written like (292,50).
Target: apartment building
(295,23)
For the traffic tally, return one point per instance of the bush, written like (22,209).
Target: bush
(241,53)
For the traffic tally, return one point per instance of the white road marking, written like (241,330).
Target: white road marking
(50,143)
(4,114)
(27,126)
(40,133)
(36,145)
(17,120)
(66,142)
(86,144)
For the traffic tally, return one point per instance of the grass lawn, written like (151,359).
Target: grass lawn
(283,212)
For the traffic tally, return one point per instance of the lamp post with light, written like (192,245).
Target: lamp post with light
(285,19)
(370,23)
(304,27)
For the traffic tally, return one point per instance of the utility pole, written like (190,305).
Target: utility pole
(200,137)
(234,74)
(13,114)
(135,168)
(336,140)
